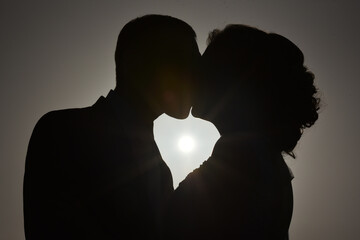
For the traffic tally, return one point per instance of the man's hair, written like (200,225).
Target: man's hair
(147,42)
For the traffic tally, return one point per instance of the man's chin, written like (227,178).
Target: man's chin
(179,114)
(182,115)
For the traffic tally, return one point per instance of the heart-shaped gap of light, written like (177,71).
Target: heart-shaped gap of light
(184,144)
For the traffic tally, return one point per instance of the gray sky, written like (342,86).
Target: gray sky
(59,54)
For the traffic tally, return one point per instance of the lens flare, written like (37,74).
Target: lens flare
(186,144)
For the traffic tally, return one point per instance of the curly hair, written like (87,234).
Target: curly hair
(270,76)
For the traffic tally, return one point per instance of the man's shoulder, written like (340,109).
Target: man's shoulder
(72,121)
(63,116)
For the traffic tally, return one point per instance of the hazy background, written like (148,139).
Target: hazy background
(59,54)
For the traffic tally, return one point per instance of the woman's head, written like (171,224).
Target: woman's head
(254,81)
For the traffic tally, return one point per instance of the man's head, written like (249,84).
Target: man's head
(156,58)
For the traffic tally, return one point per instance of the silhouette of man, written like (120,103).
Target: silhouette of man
(96,172)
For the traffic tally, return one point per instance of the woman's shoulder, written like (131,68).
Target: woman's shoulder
(251,155)
(198,177)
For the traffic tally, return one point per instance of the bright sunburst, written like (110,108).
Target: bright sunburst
(186,144)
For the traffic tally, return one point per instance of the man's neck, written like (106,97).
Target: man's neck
(141,107)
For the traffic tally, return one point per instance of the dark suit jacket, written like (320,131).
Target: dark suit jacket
(94,173)
(243,191)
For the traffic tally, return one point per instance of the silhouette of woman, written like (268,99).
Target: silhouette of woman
(256,90)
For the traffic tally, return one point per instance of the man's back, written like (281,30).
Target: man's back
(94,173)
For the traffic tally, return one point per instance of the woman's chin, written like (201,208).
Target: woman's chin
(199,112)
(195,112)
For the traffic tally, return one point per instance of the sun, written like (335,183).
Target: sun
(186,144)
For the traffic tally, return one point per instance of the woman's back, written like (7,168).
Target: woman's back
(256,90)
(243,191)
